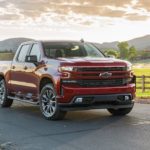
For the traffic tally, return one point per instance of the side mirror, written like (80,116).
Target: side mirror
(32,59)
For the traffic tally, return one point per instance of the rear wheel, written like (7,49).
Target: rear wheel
(4,101)
(120,112)
(49,105)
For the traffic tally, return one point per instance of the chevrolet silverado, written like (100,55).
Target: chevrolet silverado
(61,76)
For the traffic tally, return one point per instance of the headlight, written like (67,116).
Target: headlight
(129,67)
(65,68)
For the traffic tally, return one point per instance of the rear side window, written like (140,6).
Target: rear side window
(36,51)
(23,52)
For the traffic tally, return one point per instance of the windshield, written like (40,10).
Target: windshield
(70,49)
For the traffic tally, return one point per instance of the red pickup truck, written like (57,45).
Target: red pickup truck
(61,76)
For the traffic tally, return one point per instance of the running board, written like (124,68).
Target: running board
(23,100)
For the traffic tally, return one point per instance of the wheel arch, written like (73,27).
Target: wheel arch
(2,76)
(44,80)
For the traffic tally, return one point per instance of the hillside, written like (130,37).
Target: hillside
(12,44)
(141,43)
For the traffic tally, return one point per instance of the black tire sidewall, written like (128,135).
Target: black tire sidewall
(50,86)
(5,99)
(121,111)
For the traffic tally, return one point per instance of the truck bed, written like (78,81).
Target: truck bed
(5,66)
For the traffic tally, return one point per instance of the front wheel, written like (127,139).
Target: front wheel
(49,105)
(120,112)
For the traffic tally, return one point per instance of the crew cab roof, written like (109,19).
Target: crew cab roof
(51,41)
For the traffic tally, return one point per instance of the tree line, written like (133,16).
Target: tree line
(127,52)
(6,51)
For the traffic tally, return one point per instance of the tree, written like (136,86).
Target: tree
(127,52)
(132,53)
(112,52)
(123,49)
(144,54)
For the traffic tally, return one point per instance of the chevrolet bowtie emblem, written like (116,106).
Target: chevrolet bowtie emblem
(105,74)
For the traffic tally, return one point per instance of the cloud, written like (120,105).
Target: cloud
(31,8)
(144,4)
(9,17)
(72,11)
(136,17)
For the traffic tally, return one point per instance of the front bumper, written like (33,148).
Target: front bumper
(96,98)
(68,93)
(84,102)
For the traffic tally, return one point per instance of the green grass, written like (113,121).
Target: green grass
(140,72)
(142,61)
(6,56)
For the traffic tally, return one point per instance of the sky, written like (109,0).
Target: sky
(92,20)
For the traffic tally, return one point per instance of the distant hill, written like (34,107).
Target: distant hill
(106,45)
(141,43)
(12,44)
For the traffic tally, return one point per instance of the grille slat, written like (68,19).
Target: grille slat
(91,69)
(101,83)
(96,83)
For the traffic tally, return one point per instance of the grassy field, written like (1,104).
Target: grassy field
(6,56)
(139,70)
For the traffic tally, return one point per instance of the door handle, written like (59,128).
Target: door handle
(13,67)
(25,68)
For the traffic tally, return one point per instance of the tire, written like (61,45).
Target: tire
(120,112)
(49,105)
(4,101)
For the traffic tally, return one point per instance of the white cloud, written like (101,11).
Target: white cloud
(93,20)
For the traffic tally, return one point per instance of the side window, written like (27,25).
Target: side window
(23,52)
(35,50)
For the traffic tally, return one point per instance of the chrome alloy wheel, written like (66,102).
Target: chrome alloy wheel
(49,103)
(2,91)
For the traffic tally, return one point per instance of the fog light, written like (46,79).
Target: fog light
(79,100)
(126,98)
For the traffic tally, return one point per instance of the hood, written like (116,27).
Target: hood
(88,61)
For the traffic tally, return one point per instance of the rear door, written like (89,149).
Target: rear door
(18,81)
